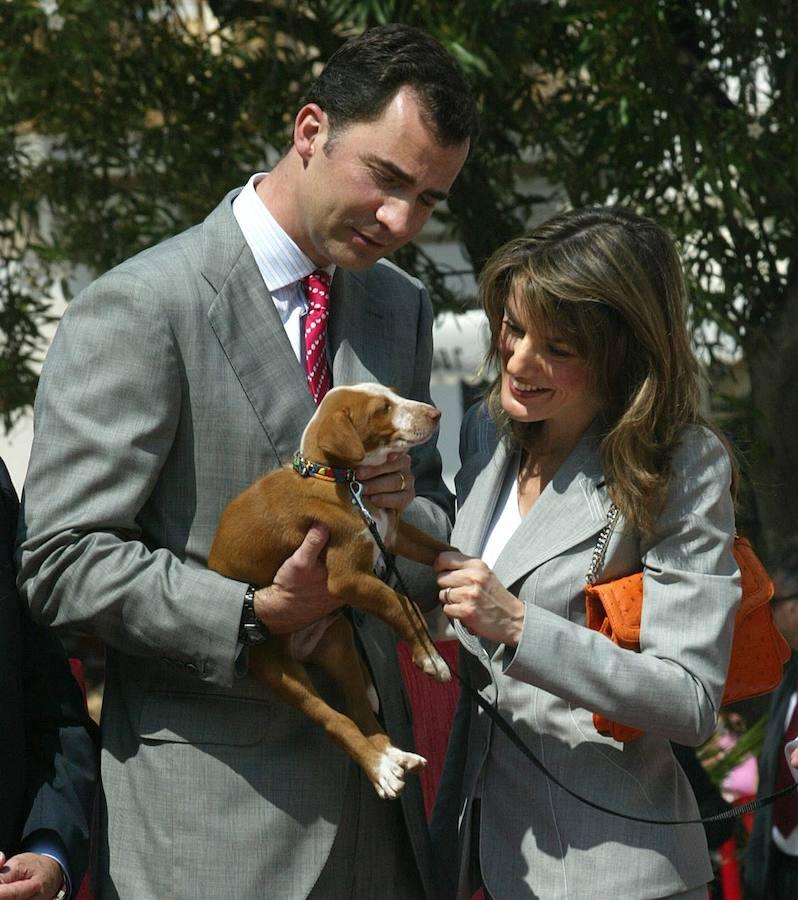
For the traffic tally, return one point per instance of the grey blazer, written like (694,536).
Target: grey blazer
(170,386)
(535,840)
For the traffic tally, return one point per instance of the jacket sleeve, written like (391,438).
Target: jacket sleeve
(60,740)
(62,753)
(107,411)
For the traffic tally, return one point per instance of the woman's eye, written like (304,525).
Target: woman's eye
(560,351)
(512,327)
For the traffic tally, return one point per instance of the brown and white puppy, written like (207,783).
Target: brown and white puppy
(354,425)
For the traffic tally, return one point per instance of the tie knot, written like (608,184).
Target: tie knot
(317,288)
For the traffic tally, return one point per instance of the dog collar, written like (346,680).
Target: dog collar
(308,469)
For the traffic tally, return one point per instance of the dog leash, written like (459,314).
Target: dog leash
(356,490)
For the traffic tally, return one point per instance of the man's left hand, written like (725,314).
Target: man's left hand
(391,485)
(29,876)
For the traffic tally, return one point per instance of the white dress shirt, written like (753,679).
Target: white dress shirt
(281,263)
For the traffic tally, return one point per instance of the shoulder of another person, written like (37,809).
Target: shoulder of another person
(478,432)
(386,274)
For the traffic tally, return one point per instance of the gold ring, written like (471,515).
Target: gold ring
(402,483)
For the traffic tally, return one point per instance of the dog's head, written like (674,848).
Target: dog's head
(360,424)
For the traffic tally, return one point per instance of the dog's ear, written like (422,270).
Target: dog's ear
(340,439)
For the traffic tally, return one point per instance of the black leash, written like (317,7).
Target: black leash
(503,725)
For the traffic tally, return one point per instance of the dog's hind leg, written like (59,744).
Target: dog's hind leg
(386,766)
(336,654)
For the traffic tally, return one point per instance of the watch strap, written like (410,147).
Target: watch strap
(251,630)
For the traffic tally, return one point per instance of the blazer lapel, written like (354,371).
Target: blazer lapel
(474,515)
(249,329)
(572,507)
(359,332)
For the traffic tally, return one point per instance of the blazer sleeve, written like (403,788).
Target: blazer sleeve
(62,753)
(691,589)
(107,411)
(60,740)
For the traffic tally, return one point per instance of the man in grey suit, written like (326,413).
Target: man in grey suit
(173,383)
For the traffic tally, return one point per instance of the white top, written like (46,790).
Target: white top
(506,517)
(281,263)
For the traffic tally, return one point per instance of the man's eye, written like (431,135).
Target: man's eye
(386,179)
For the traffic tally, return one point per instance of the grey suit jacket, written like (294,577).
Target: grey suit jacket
(536,841)
(170,386)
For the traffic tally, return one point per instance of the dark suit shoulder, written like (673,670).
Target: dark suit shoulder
(386,277)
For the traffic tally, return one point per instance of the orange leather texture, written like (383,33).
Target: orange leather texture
(758,653)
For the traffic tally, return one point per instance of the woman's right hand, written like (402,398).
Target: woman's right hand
(471,593)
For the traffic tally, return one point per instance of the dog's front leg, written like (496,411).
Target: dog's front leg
(413,543)
(366,592)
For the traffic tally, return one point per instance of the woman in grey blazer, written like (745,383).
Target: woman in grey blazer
(596,403)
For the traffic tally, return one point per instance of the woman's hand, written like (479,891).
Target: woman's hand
(471,593)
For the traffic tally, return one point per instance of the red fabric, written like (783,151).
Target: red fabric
(77,673)
(317,290)
(433,704)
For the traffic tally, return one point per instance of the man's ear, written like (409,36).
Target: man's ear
(341,441)
(310,129)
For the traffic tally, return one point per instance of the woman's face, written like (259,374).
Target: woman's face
(544,379)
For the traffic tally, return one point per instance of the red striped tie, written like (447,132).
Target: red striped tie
(317,290)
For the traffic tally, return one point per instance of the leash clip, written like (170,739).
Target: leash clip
(356,490)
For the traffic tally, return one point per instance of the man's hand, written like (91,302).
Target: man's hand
(391,485)
(298,595)
(29,875)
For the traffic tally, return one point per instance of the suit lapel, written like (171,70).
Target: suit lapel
(572,507)
(481,481)
(249,329)
(360,331)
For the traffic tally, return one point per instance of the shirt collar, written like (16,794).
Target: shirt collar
(279,259)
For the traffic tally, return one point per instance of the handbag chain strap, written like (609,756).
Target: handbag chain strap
(600,550)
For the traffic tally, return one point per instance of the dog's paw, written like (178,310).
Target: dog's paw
(393,766)
(433,664)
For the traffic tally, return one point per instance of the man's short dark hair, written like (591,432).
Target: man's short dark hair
(364,74)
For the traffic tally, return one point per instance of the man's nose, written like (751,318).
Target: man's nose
(396,215)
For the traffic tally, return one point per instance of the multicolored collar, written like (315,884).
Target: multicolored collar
(308,469)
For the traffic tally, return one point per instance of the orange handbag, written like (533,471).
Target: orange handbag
(758,653)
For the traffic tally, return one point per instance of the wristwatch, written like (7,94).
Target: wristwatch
(251,629)
(63,890)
